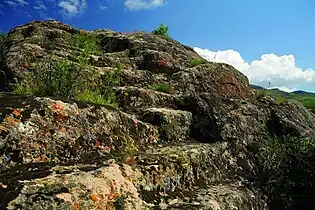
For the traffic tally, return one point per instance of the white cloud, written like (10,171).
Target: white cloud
(11,3)
(102,7)
(39,5)
(280,71)
(71,8)
(15,3)
(143,4)
(22,2)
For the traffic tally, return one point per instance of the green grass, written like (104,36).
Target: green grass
(93,96)
(308,100)
(277,96)
(197,61)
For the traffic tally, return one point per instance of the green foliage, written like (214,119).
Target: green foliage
(112,77)
(166,88)
(4,45)
(287,171)
(308,100)
(197,61)
(120,202)
(278,97)
(161,30)
(95,97)
(71,79)
(259,94)
(55,78)
(87,43)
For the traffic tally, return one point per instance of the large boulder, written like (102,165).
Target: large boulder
(184,134)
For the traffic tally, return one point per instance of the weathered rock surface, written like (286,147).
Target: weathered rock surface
(190,148)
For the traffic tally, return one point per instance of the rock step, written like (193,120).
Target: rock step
(182,176)
(132,99)
(217,197)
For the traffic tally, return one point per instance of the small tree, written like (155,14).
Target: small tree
(161,30)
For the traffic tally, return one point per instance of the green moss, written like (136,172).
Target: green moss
(182,157)
(197,61)
(166,88)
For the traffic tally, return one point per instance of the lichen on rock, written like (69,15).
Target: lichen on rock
(193,147)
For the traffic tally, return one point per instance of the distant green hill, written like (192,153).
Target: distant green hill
(306,98)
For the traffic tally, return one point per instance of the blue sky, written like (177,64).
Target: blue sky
(268,40)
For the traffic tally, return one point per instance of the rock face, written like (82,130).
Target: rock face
(188,148)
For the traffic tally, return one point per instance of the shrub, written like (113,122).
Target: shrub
(197,61)
(161,30)
(287,172)
(85,42)
(72,79)
(69,80)
(259,94)
(94,97)
(4,49)
(55,78)
(166,88)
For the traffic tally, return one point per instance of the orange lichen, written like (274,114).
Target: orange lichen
(94,197)
(57,108)
(75,205)
(16,112)
(11,121)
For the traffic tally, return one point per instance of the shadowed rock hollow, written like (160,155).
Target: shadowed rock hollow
(191,147)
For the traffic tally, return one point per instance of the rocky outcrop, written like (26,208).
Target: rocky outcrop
(188,148)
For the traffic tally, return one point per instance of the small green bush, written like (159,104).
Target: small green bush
(71,79)
(85,42)
(161,30)
(197,61)
(55,78)
(259,94)
(166,88)
(94,97)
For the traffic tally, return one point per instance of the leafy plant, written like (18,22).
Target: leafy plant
(95,97)
(287,171)
(71,79)
(161,30)
(166,88)
(4,49)
(85,42)
(197,61)
(259,94)
(54,78)
(120,202)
